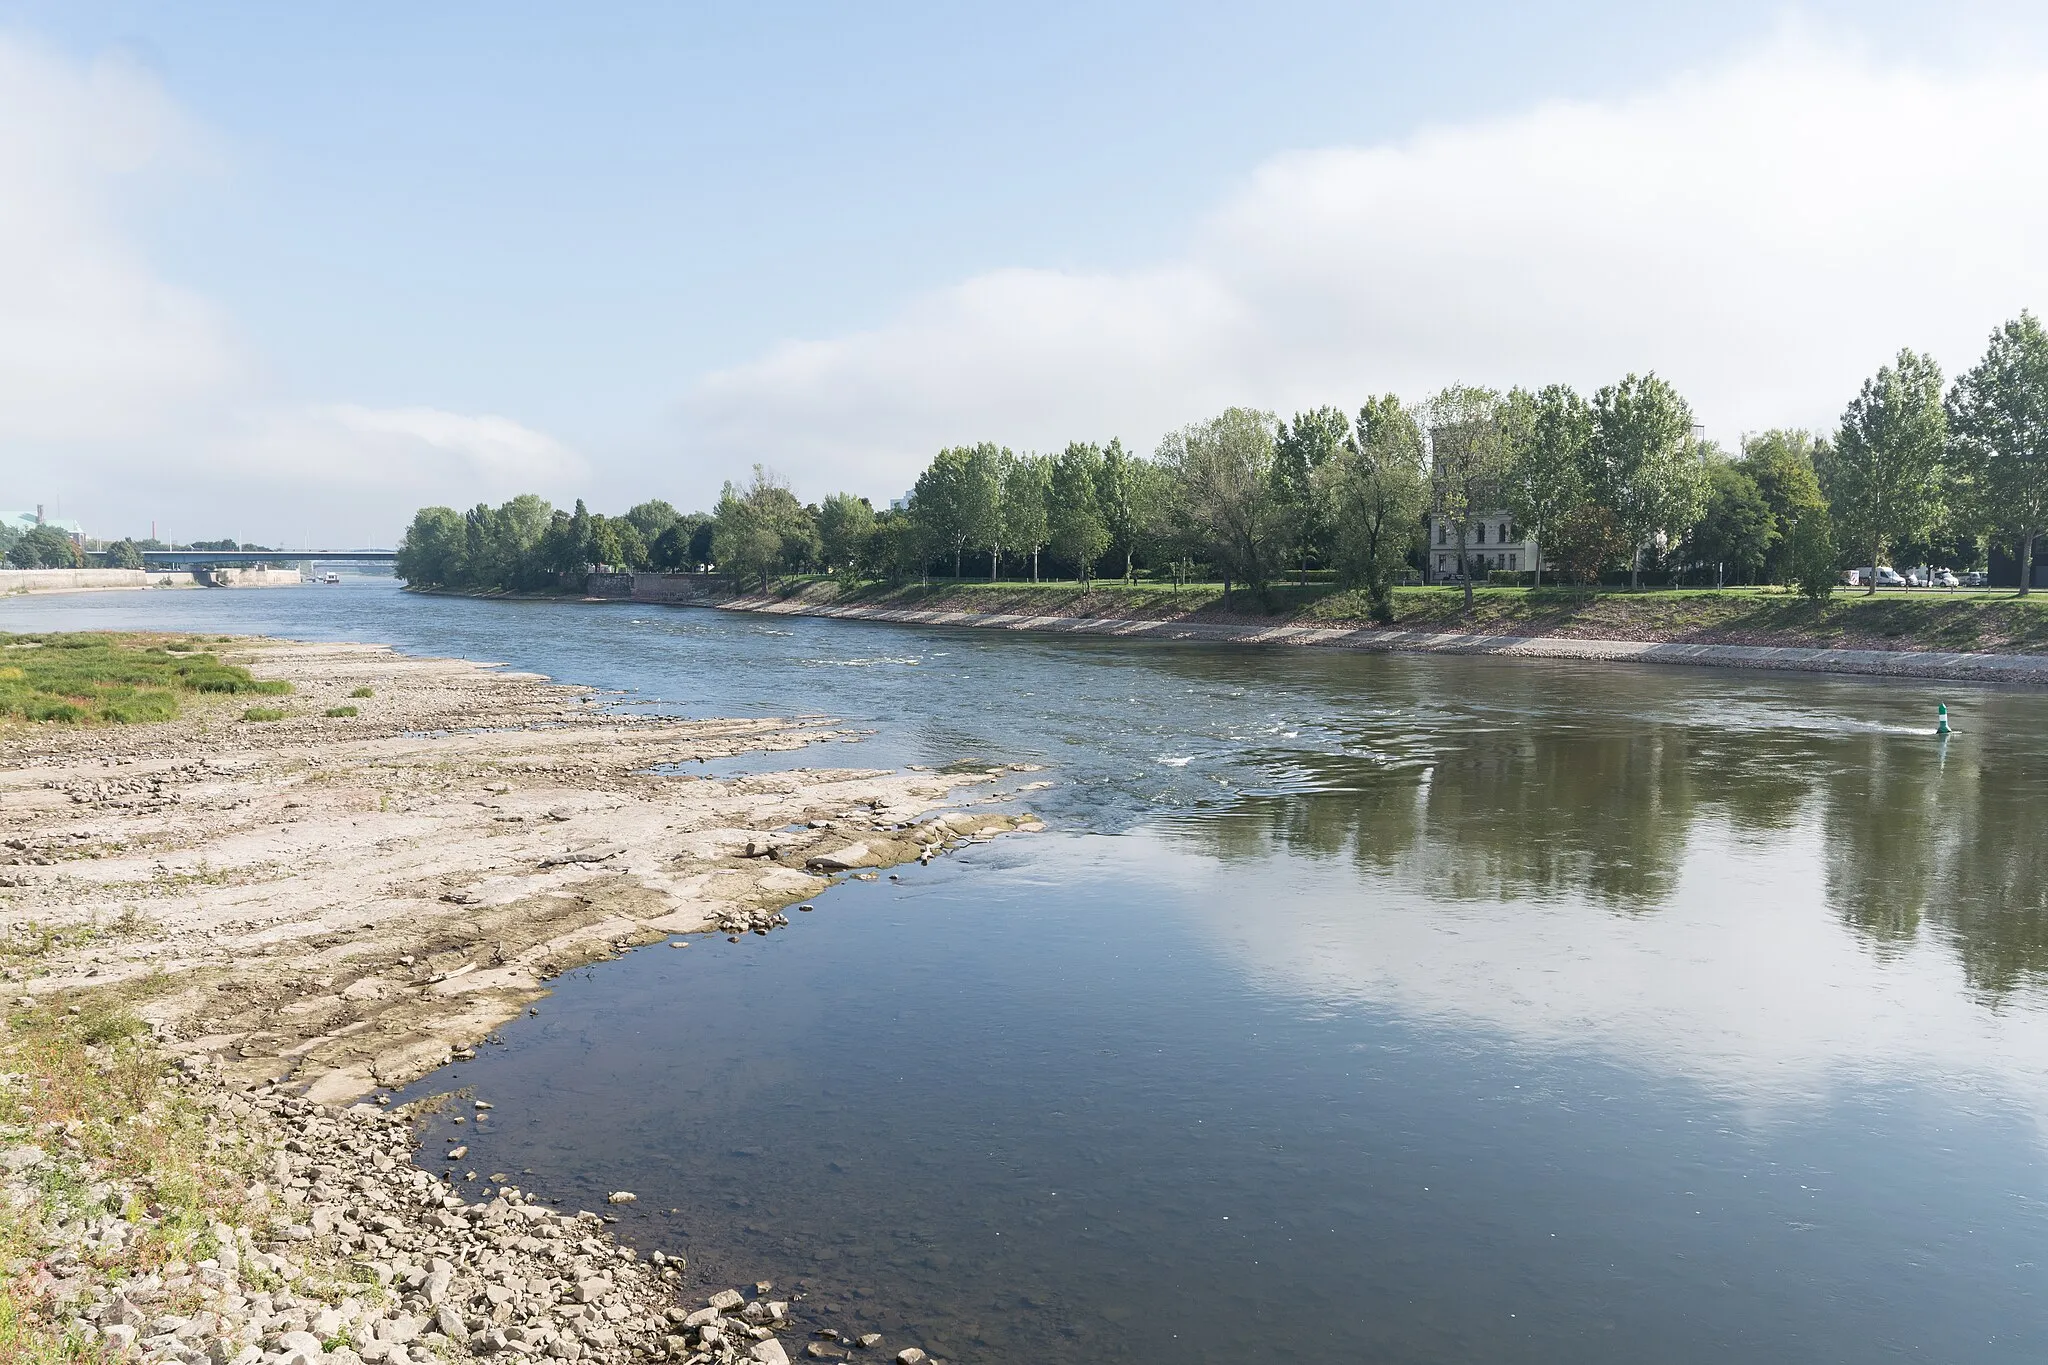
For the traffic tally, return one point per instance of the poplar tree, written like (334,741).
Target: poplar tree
(1548,435)
(1886,473)
(1998,436)
(1643,466)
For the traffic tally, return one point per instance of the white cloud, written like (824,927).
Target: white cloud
(92,345)
(127,399)
(1764,234)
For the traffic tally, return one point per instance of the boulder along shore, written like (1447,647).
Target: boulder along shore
(223,934)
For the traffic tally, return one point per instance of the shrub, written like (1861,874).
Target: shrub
(263,713)
(363,692)
(340,712)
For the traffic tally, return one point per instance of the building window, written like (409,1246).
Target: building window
(1443,563)
(1504,537)
(1512,561)
(1441,532)
(1481,529)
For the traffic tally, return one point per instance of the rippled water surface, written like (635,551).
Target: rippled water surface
(1356,1008)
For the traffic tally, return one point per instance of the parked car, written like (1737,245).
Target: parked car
(1943,578)
(1975,578)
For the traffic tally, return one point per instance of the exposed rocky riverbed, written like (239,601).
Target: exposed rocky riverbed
(305,910)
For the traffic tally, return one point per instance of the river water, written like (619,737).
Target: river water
(1379,1008)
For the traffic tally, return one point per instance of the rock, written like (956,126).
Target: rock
(435,1288)
(18,1158)
(457,1153)
(621,1197)
(700,1317)
(869,1340)
(119,1336)
(727,1300)
(450,1323)
(122,1313)
(910,1355)
(769,1352)
(301,1348)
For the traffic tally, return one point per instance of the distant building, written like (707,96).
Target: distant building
(1492,541)
(28,521)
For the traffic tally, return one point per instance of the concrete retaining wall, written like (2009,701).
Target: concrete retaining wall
(249,578)
(676,589)
(90,580)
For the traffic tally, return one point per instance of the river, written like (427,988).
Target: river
(1356,1007)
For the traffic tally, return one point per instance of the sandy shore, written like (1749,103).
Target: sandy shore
(340,904)
(1904,663)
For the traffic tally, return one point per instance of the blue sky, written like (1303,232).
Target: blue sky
(379,255)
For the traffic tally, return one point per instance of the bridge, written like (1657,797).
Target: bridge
(188,559)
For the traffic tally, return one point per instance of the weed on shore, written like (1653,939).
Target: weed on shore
(89,678)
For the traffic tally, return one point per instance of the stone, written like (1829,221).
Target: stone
(301,1348)
(621,1197)
(769,1352)
(910,1355)
(700,1317)
(435,1287)
(450,1323)
(727,1300)
(869,1340)
(119,1336)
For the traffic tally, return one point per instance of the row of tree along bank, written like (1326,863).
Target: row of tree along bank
(1620,485)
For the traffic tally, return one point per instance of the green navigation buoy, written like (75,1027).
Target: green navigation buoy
(1941,718)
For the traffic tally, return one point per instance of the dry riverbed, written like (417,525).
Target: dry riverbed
(303,911)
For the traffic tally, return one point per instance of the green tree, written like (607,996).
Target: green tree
(676,547)
(940,501)
(1374,491)
(651,518)
(1300,451)
(1885,480)
(1643,466)
(430,552)
(844,524)
(1998,432)
(1780,462)
(1223,506)
(758,530)
(1077,532)
(1119,483)
(1811,554)
(1026,489)
(43,547)
(124,554)
(1467,462)
(1736,529)
(988,470)
(1548,436)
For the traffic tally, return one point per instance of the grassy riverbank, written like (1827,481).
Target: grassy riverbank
(1991,622)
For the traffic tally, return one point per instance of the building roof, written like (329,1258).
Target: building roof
(26,521)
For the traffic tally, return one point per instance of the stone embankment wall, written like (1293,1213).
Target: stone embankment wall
(249,578)
(90,580)
(690,589)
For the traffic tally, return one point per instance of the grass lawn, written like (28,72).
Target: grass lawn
(101,679)
(1929,619)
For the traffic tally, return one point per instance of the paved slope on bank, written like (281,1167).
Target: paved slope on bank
(1792,655)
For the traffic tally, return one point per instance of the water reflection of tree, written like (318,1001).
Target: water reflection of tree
(1949,837)
(1501,814)
(1915,840)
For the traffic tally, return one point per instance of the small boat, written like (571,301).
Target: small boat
(330,577)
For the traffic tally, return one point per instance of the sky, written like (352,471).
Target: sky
(287,273)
